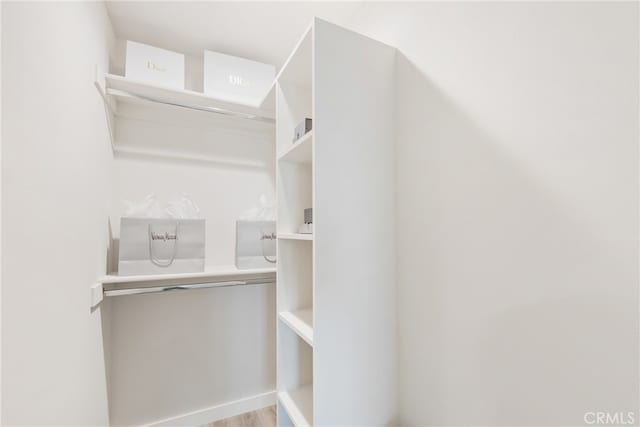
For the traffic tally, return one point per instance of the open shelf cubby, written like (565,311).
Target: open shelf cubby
(301,322)
(295,378)
(300,150)
(295,278)
(294,187)
(297,405)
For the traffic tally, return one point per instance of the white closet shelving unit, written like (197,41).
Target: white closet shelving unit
(156,103)
(335,290)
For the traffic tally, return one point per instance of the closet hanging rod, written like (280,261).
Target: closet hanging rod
(221,111)
(167,288)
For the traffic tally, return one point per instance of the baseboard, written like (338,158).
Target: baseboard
(219,412)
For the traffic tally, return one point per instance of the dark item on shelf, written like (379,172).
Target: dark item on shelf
(302,128)
(308,216)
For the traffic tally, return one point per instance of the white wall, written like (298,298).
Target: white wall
(0,214)
(54,222)
(517,206)
(178,353)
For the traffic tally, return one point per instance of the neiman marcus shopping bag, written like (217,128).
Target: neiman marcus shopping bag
(157,246)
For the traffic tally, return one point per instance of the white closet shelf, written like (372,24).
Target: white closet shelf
(300,151)
(223,271)
(213,274)
(300,321)
(299,405)
(295,236)
(128,90)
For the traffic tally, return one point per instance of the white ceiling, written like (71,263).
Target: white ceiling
(262,31)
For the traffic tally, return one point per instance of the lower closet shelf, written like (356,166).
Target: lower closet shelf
(299,405)
(300,321)
(218,276)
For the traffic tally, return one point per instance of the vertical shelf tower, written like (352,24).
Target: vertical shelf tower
(336,288)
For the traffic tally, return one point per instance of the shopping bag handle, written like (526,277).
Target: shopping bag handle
(159,262)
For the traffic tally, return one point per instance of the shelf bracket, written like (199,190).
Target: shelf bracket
(97,295)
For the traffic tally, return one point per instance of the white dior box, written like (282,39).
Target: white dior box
(157,246)
(255,244)
(236,79)
(154,65)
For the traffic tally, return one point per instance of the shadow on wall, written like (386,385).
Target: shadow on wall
(520,309)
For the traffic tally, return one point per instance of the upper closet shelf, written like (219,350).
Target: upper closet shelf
(128,90)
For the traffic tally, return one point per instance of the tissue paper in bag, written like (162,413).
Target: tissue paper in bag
(157,240)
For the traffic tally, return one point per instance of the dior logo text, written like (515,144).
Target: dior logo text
(236,80)
(152,66)
(164,237)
